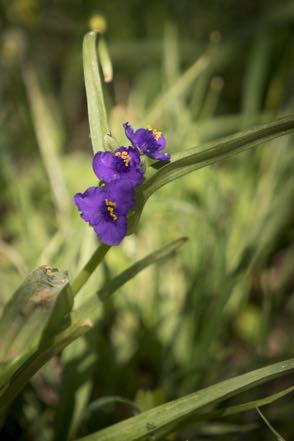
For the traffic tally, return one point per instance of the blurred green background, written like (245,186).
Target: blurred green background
(198,70)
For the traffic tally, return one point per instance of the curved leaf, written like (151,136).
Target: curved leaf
(164,419)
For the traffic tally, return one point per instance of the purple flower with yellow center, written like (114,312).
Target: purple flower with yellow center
(106,208)
(123,163)
(150,141)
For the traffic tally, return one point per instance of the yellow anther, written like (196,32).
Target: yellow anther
(124,156)
(110,204)
(156,133)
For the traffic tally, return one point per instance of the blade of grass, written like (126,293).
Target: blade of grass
(106,401)
(78,361)
(164,419)
(178,88)
(88,269)
(48,136)
(255,77)
(277,435)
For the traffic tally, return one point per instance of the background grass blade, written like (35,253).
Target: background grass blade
(191,160)
(255,77)
(164,419)
(134,269)
(96,107)
(277,435)
(76,386)
(49,138)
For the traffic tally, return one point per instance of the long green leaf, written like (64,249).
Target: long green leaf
(96,107)
(194,159)
(164,419)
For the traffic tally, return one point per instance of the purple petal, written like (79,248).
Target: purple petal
(103,166)
(88,204)
(132,170)
(145,140)
(161,142)
(160,156)
(129,131)
(108,166)
(112,233)
(122,192)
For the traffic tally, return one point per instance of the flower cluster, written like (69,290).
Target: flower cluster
(105,207)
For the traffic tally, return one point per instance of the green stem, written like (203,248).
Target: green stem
(89,268)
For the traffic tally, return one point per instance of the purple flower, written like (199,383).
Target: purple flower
(106,208)
(123,163)
(150,141)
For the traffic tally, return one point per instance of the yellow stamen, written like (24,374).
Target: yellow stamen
(108,202)
(124,156)
(110,209)
(156,133)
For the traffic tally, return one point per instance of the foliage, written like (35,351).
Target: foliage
(77,359)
